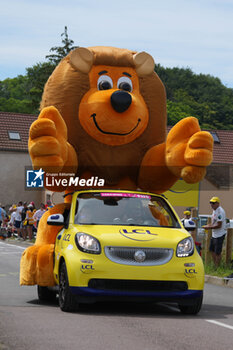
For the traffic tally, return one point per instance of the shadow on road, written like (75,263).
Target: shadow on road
(44,303)
(156,310)
(153,310)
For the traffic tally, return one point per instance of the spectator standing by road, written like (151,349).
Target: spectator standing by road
(218,227)
(3,218)
(38,214)
(30,221)
(187,215)
(23,216)
(190,226)
(34,226)
(33,205)
(2,215)
(11,223)
(18,218)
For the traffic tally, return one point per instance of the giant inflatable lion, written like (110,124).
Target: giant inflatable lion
(103,113)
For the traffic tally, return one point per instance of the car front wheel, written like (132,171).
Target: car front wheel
(67,301)
(192,308)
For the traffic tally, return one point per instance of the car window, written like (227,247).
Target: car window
(109,208)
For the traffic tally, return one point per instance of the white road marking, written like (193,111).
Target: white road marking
(220,324)
(12,245)
(16,274)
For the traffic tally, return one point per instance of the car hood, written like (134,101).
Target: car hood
(135,235)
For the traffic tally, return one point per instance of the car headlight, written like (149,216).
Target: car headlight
(87,243)
(185,247)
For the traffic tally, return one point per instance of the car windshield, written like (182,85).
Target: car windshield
(130,209)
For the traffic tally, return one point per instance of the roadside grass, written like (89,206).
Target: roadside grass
(222,271)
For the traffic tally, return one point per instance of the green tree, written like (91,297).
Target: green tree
(175,112)
(23,93)
(61,51)
(205,97)
(15,95)
(188,94)
(15,105)
(15,87)
(37,76)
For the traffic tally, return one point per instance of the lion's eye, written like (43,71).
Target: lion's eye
(125,83)
(104,82)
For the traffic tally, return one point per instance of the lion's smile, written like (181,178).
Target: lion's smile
(114,133)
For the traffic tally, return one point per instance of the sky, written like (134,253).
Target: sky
(178,33)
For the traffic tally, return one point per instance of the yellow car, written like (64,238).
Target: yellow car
(125,245)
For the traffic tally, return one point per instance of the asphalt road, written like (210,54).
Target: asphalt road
(25,324)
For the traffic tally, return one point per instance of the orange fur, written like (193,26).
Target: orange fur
(36,265)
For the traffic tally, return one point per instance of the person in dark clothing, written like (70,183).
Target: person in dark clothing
(23,215)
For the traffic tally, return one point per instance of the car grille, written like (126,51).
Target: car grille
(137,285)
(126,255)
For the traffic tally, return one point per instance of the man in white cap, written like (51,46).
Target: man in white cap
(218,227)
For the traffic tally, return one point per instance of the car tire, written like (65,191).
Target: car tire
(45,294)
(67,300)
(193,308)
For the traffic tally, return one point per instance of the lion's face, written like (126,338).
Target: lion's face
(113,111)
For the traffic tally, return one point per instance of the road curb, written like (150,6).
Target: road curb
(218,281)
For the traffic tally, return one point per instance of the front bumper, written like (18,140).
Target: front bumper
(87,294)
(172,281)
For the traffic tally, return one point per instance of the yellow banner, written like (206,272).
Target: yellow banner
(183,194)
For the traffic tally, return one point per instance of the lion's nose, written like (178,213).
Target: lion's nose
(121,100)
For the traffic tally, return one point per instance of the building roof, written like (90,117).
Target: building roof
(19,125)
(223,146)
(14,129)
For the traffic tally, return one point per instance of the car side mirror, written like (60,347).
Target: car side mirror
(56,220)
